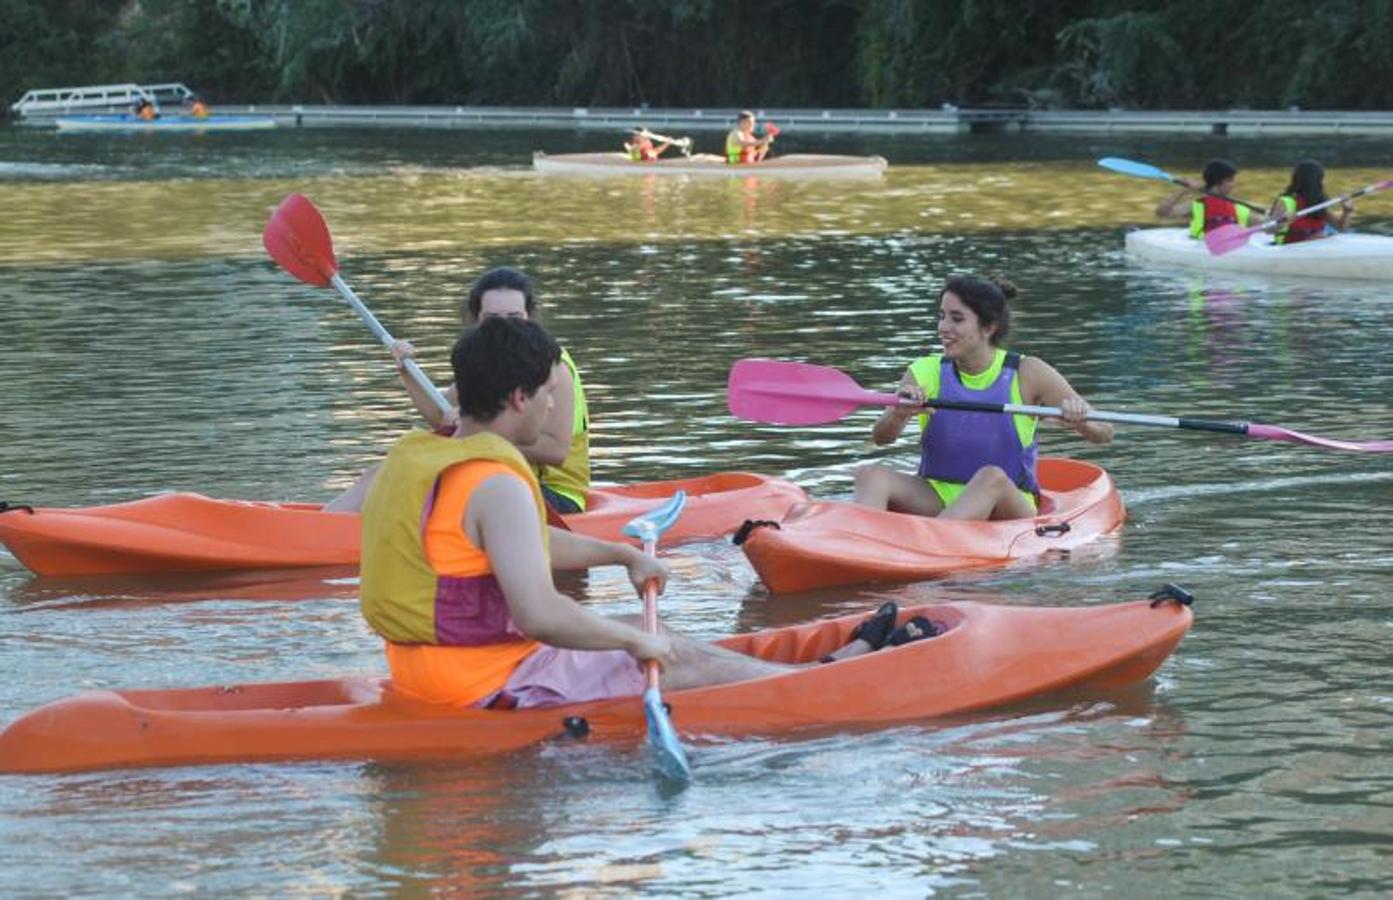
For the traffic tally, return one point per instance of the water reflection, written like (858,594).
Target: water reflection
(152,346)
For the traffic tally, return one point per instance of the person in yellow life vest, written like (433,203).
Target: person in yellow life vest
(641,148)
(1307,188)
(1211,202)
(457,561)
(561,453)
(742,147)
(972,465)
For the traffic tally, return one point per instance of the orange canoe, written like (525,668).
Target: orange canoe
(185,532)
(832,543)
(989,656)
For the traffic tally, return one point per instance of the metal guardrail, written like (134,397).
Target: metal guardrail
(945,120)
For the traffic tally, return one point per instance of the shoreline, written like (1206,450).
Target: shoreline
(1232,123)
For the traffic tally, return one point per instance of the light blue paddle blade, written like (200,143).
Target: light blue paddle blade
(1132,167)
(669,759)
(651,525)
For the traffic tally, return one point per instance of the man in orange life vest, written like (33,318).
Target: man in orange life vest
(1211,205)
(457,558)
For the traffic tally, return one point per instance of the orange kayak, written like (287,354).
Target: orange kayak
(989,656)
(832,543)
(185,532)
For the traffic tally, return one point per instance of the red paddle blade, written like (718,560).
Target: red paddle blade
(1273,433)
(297,238)
(794,393)
(1228,238)
(771,129)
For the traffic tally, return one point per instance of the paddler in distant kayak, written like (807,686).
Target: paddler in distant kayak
(457,557)
(561,453)
(1210,203)
(641,148)
(1307,188)
(972,465)
(742,147)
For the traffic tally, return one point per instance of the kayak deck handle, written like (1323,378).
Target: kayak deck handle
(1171,591)
(742,534)
(11,507)
(1061,528)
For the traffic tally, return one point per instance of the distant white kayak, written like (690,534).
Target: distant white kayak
(171,123)
(795,165)
(1364,256)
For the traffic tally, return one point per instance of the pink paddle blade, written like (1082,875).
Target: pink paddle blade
(298,239)
(1273,433)
(794,393)
(1228,238)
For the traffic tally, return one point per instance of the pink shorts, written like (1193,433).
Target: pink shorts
(552,676)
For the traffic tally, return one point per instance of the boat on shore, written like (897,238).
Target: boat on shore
(187,532)
(987,656)
(794,165)
(1347,255)
(833,543)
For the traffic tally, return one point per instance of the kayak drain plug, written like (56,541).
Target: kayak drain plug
(576,726)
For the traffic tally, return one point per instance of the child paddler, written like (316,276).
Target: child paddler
(457,557)
(973,465)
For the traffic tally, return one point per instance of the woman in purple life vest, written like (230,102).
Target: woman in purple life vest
(973,465)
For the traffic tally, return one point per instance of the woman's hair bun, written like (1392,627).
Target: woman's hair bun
(1006,286)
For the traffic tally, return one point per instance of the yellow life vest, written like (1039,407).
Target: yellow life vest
(398,584)
(571,479)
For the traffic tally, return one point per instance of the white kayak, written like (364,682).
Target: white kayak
(795,165)
(126,122)
(1365,256)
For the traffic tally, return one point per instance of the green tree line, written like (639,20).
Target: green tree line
(803,53)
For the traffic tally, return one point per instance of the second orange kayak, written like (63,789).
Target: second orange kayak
(988,656)
(832,543)
(184,532)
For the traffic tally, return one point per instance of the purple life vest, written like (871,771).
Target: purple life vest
(956,443)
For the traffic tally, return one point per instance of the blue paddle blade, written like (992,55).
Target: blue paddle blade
(669,759)
(651,525)
(1132,167)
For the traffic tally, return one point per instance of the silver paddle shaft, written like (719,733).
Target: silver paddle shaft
(385,336)
(1094,416)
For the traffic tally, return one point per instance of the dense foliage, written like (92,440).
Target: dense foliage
(835,53)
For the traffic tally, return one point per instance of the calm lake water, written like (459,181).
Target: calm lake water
(150,346)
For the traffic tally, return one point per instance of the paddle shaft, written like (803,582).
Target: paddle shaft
(654,136)
(1096,415)
(1146,170)
(387,340)
(650,615)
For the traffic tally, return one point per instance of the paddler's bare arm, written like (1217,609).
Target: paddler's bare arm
(1042,385)
(502,521)
(554,445)
(890,425)
(571,551)
(424,403)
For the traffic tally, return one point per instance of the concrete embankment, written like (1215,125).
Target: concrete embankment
(879,121)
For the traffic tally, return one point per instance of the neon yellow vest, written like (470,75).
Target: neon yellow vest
(571,479)
(733,147)
(398,584)
(926,371)
(1197,217)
